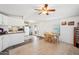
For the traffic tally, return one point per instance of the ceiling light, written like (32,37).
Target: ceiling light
(45,10)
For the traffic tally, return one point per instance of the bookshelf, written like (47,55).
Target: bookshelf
(76,37)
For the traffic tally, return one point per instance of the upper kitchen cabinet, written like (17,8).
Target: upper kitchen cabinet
(1,22)
(19,22)
(12,21)
(9,21)
(15,21)
(5,20)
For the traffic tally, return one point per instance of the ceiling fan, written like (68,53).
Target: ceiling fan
(45,9)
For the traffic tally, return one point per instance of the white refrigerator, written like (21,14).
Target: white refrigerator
(26,30)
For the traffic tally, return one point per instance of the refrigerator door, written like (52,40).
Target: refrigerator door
(26,30)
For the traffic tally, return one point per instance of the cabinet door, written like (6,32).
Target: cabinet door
(5,42)
(9,21)
(19,38)
(20,22)
(5,18)
(1,19)
(16,39)
(14,21)
(0,44)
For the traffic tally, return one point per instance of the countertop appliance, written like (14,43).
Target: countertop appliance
(2,31)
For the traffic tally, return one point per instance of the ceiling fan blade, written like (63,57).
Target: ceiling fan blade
(40,13)
(38,9)
(50,10)
(47,13)
(45,5)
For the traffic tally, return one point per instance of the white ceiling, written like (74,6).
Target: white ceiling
(27,10)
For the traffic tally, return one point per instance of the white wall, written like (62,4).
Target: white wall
(47,26)
(67,32)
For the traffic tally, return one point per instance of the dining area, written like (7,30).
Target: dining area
(51,37)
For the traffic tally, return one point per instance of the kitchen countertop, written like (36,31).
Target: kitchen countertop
(12,33)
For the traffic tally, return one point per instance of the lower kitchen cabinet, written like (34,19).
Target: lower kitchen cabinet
(0,43)
(6,40)
(16,39)
(26,38)
(10,40)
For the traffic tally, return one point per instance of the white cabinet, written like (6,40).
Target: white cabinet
(27,37)
(10,40)
(9,21)
(5,18)
(1,22)
(15,21)
(16,39)
(0,43)
(19,22)
(5,42)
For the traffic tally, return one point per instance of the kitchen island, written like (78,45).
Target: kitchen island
(10,39)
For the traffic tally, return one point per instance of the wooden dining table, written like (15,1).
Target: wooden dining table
(51,37)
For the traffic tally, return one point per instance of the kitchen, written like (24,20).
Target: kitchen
(20,26)
(13,31)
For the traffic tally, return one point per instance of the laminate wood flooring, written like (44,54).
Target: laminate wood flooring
(42,47)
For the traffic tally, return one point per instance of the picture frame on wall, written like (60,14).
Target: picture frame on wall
(78,24)
(63,23)
(71,23)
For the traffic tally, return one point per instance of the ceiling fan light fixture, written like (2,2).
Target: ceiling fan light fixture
(45,10)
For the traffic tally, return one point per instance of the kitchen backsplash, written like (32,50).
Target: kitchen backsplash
(15,29)
(12,29)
